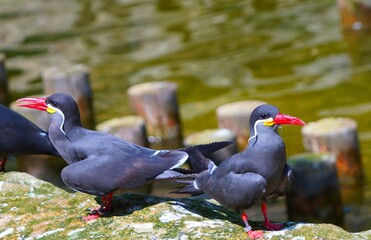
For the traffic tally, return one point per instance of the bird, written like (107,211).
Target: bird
(21,137)
(100,163)
(257,172)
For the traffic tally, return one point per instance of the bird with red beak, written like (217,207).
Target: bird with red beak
(101,163)
(259,171)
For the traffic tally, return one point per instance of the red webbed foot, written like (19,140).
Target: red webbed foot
(273,226)
(267,224)
(91,216)
(255,234)
(104,208)
(94,214)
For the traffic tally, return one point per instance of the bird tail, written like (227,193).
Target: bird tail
(198,163)
(197,154)
(187,177)
(190,184)
(189,188)
(181,176)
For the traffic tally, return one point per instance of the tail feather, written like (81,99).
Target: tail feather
(198,163)
(174,175)
(209,148)
(185,179)
(197,160)
(188,189)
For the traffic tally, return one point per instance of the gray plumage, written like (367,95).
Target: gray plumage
(257,172)
(100,163)
(20,136)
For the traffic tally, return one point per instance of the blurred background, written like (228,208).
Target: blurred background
(310,58)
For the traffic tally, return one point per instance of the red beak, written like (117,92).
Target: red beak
(286,119)
(34,103)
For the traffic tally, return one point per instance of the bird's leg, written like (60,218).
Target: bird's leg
(2,163)
(267,224)
(105,206)
(251,233)
(106,203)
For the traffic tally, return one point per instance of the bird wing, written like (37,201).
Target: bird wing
(233,190)
(285,183)
(88,142)
(104,174)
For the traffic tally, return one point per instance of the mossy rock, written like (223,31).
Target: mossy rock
(34,209)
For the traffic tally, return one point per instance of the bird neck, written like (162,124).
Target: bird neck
(62,134)
(267,141)
(268,149)
(261,134)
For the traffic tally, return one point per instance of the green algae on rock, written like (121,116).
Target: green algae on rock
(34,209)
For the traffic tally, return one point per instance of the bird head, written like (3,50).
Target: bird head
(60,106)
(270,116)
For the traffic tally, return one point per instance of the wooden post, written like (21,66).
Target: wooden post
(338,136)
(129,128)
(39,118)
(236,116)
(4,96)
(356,24)
(73,80)
(214,135)
(157,103)
(354,15)
(314,195)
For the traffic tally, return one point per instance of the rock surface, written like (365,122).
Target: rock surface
(34,209)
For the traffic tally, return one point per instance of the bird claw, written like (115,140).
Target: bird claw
(93,214)
(257,234)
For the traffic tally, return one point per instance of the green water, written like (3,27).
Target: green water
(290,53)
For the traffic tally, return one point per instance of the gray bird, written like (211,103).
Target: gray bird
(101,163)
(19,136)
(251,175)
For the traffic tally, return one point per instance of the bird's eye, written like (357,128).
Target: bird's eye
(53,103)
(264,116)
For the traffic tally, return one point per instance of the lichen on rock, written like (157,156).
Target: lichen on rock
(34,209)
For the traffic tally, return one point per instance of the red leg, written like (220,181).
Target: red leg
(267,224)
(107,202)
(251,233)
(105,206)
(2,163)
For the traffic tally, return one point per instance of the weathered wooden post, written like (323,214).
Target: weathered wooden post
(73,80)
(214,135)
(356,24)
(314,195)
(157,103)
(236,116)
(129,128)
(339,137)
(4,97)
